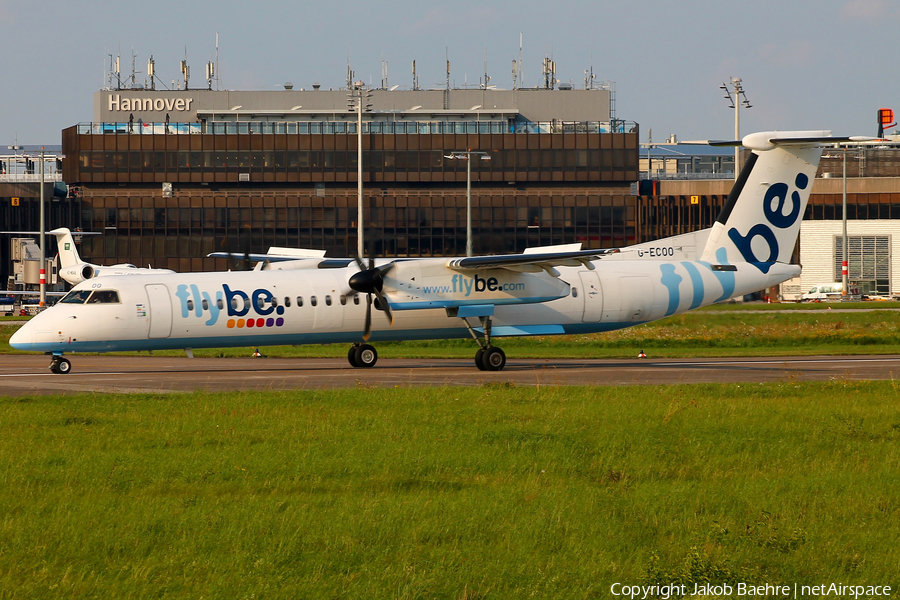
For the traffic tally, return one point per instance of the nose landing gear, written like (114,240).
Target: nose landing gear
(60,365)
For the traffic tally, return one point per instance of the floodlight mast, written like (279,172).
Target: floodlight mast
(43,299)
(467,156)
(360,97)
(736,102)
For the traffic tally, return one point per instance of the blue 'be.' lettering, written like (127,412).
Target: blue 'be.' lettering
(773,209)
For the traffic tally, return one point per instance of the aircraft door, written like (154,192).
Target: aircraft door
(593,298)
(160,311)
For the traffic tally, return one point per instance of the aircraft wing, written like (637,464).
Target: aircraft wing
(29,293)
(530,262)
(256,257)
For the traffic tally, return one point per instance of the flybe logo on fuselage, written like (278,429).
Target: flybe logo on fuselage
(773,209)
(235,303)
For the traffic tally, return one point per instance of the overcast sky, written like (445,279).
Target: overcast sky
(826,64)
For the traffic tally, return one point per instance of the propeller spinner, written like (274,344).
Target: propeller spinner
(370,281)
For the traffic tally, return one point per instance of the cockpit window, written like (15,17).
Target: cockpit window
(104,297)
(76,297)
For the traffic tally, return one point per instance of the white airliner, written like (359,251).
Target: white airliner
(544,291)
(74,270)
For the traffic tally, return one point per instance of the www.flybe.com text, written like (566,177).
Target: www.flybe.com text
(467,285)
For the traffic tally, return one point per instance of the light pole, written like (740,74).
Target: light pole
(467,156)
(43,301)
(736,105)
(356,97)
(844,259)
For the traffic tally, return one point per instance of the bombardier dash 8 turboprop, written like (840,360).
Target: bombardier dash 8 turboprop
(544,291)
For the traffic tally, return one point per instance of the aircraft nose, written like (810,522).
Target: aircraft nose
(23,338)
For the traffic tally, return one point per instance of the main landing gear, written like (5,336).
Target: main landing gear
(488,357)
(60,365)
(362,355)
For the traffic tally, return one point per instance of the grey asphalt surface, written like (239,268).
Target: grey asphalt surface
(28,374)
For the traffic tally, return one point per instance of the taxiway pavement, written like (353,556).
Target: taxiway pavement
(28,374)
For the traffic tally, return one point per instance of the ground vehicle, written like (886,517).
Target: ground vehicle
(823,291)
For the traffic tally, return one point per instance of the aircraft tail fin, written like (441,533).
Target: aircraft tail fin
(68,255)
(760,221)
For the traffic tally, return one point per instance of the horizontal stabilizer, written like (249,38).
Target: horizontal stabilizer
(767,140)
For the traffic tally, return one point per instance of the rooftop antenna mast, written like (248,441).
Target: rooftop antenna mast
(589,76)
(217,60)
(486,76)
(447,56)
(350,74)
(185,69)
(118,72)
(134,70)
(384,73)
(151,71)
(549,71)
(520,71)
(415,83)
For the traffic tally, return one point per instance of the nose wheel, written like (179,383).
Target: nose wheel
(60,365)
(362,356)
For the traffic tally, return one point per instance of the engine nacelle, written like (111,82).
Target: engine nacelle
(77,273)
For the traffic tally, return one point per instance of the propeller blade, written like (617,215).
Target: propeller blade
(382,301)
(368,330)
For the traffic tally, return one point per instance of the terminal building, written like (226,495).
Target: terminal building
(168,176)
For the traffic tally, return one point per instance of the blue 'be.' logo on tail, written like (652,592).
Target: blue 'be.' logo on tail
(777,195)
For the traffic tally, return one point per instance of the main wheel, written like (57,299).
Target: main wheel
(366,356)
(478,359)
(494,359)
(351,355)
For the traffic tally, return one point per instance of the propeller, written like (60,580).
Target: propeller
(370,281)
(239,261)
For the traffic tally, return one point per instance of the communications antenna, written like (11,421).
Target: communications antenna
(350,74)
(185,69)
(415,82)
(217,60)
(151,72)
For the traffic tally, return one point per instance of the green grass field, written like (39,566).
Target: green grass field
(492,492)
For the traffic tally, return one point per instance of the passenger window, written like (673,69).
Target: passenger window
(274,301)
(220,303)
(299,300)
(204,304)
(190,305)
(104,297)
(234,302)
(76,297)
(343,299)
(574,292)
(356,299)
(312,301)
(328,300)
(287,300)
